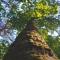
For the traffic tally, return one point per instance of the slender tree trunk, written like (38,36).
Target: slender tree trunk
(29,45)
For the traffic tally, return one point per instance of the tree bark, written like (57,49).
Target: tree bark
(29,45)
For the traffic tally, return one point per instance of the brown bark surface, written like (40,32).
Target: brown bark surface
(29,45)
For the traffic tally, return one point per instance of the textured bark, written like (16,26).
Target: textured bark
(29,45)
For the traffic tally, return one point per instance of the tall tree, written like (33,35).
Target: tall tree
(29,45)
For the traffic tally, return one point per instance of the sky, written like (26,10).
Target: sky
(54,34)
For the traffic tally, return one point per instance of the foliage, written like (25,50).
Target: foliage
(50,23)
(3,48)
(0,6)
(32,9)
(54,43)
(42,10)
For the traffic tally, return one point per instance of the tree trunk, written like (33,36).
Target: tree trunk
(29,45)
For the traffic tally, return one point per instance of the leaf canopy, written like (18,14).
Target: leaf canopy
(42,10)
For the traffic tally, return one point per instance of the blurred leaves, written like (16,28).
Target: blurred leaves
(50,23)
(3,48)
(43,32)
(54,43)
(1,8)
(38,10)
